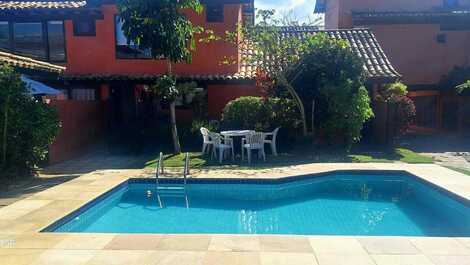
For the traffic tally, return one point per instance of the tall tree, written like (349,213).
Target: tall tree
(334,74)
(162,27)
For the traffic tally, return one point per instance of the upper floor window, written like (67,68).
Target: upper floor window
(215,13)
(451,3)
(56,41)
(4,35)
(125,50)
(84,27)
(38,40)
(28,39)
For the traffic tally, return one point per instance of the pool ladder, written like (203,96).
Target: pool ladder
(173,190)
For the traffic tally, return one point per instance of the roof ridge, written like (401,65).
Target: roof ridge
(26,62)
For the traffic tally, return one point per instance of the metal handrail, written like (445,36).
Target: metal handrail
(159,168)
(186,168)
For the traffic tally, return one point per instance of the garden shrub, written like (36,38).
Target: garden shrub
(332,75)
(457,76)
(261,114)
(30,124)
(404,111)
(212,125)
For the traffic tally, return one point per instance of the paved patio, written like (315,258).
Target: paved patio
(21,243)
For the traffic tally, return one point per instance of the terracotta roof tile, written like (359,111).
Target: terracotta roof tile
(374,14)
(28,63)
(22,5)
(362,42)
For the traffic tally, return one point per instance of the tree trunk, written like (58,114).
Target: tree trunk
(5,127)
(298,101)
(313,118)
(174,129)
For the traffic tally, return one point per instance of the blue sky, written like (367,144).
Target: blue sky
(301,9)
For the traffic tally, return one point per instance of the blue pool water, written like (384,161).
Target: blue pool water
(336,204)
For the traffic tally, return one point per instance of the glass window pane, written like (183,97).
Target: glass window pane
(84,27)
(4,35)
(55,31)
(124,50)
(215,13)
(28,39)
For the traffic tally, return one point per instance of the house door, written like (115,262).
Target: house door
(450,114)
(122,107)
(426,111)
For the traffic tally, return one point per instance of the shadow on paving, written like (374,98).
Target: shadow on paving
(26,187)
(437,143)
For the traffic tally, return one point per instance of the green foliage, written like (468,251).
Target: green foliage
(402,107)
(161,26)
(168,89)
(315,67)
(346,114)
(463,87)
(165,87)
(255,113)
(212,126)
(332,75)
(30,124)
(458,79)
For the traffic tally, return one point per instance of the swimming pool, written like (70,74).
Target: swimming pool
(345,203)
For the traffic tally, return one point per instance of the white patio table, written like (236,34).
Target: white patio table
(236,133)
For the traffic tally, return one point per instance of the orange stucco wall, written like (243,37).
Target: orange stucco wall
(412,48)
(416,54)
(339,12)
(219,95)
(97,55)
(82,124)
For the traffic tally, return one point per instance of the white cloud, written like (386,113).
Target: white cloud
(301,9)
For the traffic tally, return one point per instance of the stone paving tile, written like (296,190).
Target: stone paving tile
(38,241)
(285,243)
(65,205)
(234,243)
(401,260)
(176,258)
(283,258)
(30,204)
(336,245)
(85,241)
(337,259)
(44,213)
(450,260)
(19,256)
(134,242)
(184,242)
(392,245)
(465,241)
(440,246)
(231,258)
(121,257)
(10,213)
(62,257)
(19,227)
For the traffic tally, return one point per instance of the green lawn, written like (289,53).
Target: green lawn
(296,158)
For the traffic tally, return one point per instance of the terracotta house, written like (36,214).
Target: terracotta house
(424,39)
(106,80)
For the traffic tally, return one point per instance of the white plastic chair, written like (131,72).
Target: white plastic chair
(272,141)
(254,141)
(207,142)
(222,146)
